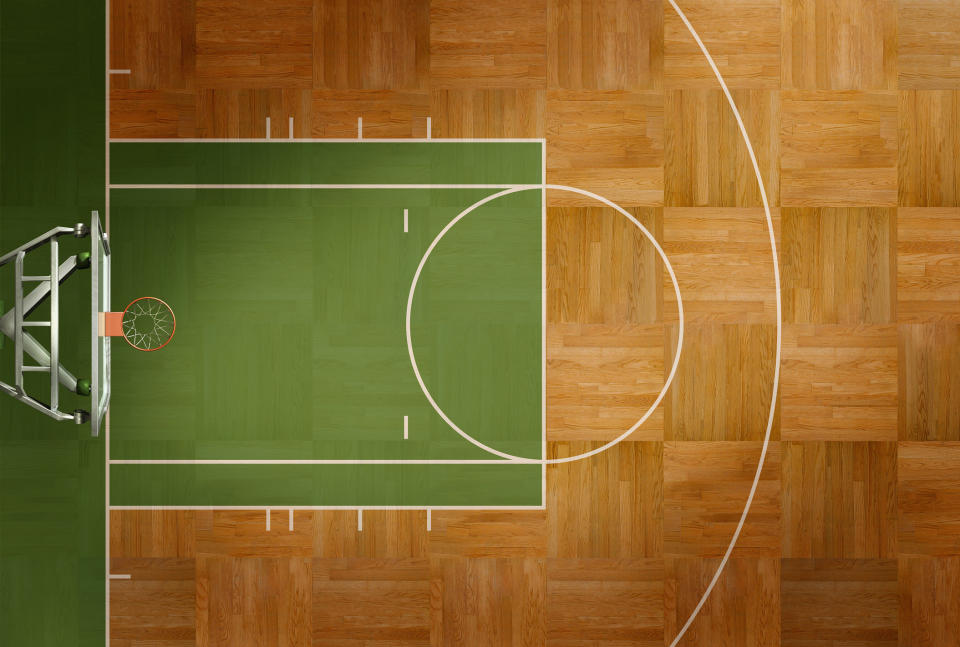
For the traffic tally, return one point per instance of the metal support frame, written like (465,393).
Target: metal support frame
(12,323)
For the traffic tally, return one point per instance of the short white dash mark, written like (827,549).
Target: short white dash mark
(291,519)
(268,127)
(429,128)
(268,519)
(359,520)
(359,127)
(290,127)
(429,520)
(120,71)
(406,220)
(406,427)
(117,576)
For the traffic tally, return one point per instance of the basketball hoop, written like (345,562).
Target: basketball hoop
(147,324)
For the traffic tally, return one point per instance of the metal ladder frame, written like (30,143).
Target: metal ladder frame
(13,323)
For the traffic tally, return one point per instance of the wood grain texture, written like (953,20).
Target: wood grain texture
(929,601)
(265,44)
(839,266)
(724,265)
(929,356)
(839,382)
(488,112)
(601,379)
(743,36)
(723,385)
(610,506)
(156,41)
(496,44)
(839,149)
(385,113)
(839,499)
(839,44)
(706,163)
(607,142)
(604,602)
(831,602)
(928,45)
(744,608)
(227,112)
(704,487)
(929,133)
(157,605)
(488,602)
(605,45)
(928,493)
(928,265)
(371,44)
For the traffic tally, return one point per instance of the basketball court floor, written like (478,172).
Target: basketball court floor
(542,322)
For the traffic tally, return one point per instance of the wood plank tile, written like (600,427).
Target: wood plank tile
(253,601)
(839,499)
(488,112)
(371,44)
(928,265)
(610,143)
(839,149)
(829,602)
(839,382)
(601,269)
(242,113)
(929,601)
(243,533)
(387,534)
(152,533)
(706,161)
(602,379)
(839,266)
(488,533)
(724,264)
(605,45)
(743,37)
(607,506)
(156,41)
(605,603)
(267,44)
(929,127)
(705,486)
(743,609)
(724,383)
(495,44)
(156,606)
(929,399)
(152,113)
(496,602)
(840,45)
(928,45)
(928,492)
(385,113)
(371,602)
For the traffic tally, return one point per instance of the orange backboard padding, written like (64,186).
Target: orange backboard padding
(113,324)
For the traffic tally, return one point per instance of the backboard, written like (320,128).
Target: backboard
(100,343)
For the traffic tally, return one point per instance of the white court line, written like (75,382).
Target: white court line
(429,128)
(406,223)
(106,209)
(118,576)
(119,72)
(268,519)
(291,519)
(290,127)
(429,520)
(776,370)
(543,330)
(329,140)
(406,427)
(325,461)
(268,127)
(359,127)
(319,186)
(360,520)
(329,507)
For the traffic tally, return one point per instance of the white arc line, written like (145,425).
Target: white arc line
(776,370)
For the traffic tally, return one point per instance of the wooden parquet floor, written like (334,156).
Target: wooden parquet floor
(853,107)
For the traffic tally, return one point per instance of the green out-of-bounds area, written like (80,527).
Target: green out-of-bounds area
(291,344)
(52,474)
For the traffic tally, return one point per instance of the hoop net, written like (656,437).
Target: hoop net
(148,324)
